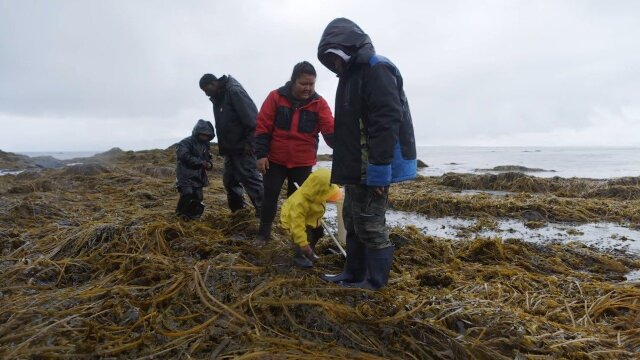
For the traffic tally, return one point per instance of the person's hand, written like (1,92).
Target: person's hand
(208,165)
(263,165)
(307,251)
(378,190)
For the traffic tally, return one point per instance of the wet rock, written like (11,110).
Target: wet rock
(532,215)
(516,168)
(47,162)
(10,160)
(422,164)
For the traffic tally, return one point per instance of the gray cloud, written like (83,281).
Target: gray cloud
(90,75)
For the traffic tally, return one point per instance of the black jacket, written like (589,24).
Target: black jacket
(192,155)
(374,142)
(235,115)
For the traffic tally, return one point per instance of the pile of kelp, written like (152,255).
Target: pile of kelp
(94,265)
(527,197)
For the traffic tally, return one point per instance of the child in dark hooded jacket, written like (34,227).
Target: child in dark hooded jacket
(193,160)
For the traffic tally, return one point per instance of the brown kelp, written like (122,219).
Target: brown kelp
(530,198)
(94,264)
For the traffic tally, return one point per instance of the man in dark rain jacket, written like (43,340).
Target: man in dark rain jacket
(374,146)
(235,115)
(193,159)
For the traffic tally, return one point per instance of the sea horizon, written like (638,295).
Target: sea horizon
(597,162)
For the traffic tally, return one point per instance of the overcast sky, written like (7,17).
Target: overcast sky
(91,75)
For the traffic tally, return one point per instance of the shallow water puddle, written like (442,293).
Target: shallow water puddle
(633,276)
(604,236)
(10,172)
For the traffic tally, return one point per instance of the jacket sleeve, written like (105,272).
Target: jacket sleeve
(183,153)
(209,155)
(246,110)
(298,224)
(326,122)
(384,118)
(265,125)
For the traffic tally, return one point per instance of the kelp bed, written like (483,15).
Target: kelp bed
(94,265)
(529,198)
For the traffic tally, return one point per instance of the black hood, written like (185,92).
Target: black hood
(203,127)
(343,34)
(224,82)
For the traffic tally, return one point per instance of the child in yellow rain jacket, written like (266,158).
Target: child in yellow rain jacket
(302,211)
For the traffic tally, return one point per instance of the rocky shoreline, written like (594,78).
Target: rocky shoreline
(93,264)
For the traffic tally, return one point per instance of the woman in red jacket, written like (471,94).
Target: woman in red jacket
(287,138)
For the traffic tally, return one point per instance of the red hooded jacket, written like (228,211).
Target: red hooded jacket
(287,129)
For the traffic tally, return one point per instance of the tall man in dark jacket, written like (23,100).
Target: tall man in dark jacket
(192,160)
(374,146)
(235,115)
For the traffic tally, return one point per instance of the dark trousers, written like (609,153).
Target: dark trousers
(364,215)
(273,180)
(190,202)
(240,175)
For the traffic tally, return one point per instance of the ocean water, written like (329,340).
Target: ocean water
(584,162)
(61,155)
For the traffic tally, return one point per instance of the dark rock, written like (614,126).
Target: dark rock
(47,162)
(517,168)
(422,164)
(532,215)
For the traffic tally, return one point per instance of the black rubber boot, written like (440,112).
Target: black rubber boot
(195,209)
(314,235)
(189,207)
(354,268)
(378,263)
(264,234)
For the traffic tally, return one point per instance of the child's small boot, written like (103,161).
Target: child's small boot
(313,235)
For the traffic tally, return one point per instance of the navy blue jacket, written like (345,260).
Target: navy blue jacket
(374,143)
